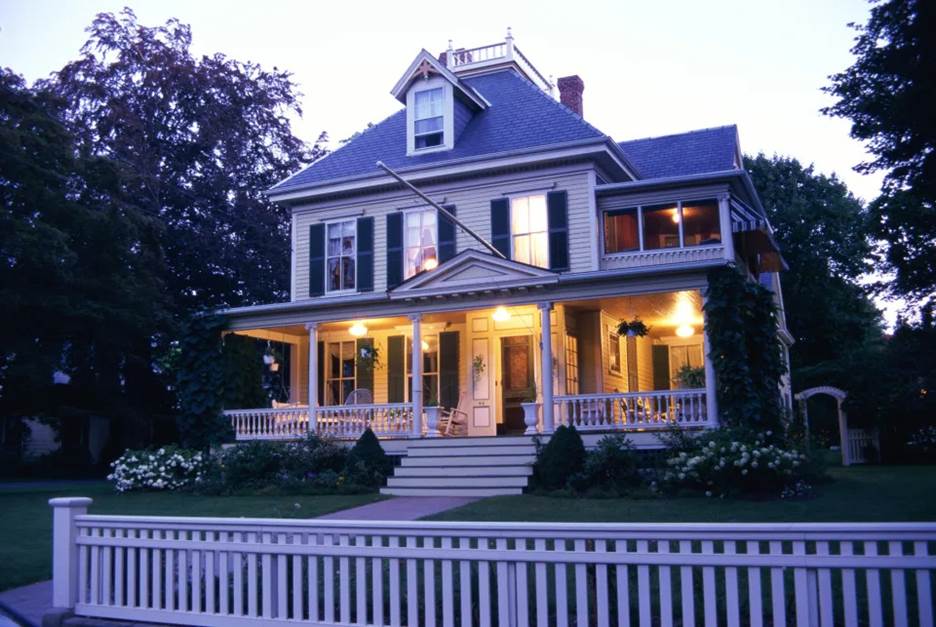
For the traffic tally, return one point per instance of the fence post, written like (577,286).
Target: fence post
(65,549)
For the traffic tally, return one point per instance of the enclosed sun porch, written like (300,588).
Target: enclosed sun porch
(488,371)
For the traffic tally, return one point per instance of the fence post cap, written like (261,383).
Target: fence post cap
(70,501)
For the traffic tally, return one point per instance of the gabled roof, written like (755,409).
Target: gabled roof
(473,272)
(425,64)
(695,152)
(521,116)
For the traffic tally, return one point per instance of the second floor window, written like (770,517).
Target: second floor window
(342,253)
(428,120)
(671,225)
(529,230)
(421,245)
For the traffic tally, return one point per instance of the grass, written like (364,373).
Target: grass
(26,518)
(856,494)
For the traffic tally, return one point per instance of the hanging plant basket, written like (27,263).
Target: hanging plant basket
(368,357)
(633,328)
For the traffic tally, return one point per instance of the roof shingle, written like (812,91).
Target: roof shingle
(695,152)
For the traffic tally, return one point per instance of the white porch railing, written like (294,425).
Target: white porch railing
(632,410)
(216,571)
(340,422)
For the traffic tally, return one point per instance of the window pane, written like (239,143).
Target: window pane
(429,125)
(621,231)
(334,360)
(347,266)
(661,227)
(538,219)
(521,249)
(347,386)
(540,250)
(427,141)
(700,223)
(519,216)
(334,275)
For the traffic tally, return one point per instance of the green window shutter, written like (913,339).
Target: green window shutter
(316,259)
(447,245)
(365,254)
(364,373)
(557,208)
(396,369)
(661,375)
(394,249)
(321,373)
(448,369)
(500,225)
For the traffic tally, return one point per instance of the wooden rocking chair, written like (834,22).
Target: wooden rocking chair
(453,421)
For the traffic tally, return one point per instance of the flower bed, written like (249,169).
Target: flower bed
(166,468)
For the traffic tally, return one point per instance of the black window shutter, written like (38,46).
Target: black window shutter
(396,368)
(316,259)
(557,205)
(500,225)
(364,372)
(365,254)
(321,373)
(447,245)
(661,373)
(448,369)
(394,249)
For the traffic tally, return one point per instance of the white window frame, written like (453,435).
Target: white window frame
(437,374)
(353,255)
(406,244)
(441,131)
(514,235)
(448,115)
(328,378)
(614,339)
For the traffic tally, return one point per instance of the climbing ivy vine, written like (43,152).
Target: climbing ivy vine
(200,383)
(741,324)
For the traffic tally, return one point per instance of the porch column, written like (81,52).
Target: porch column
(417,391)
(547,364)
(312,328)
(711,400)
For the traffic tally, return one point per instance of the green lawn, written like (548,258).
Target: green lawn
(858,493)
(26,518)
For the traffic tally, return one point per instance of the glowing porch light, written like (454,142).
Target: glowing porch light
(358,329)
(425,346)
(676,216)
(685,330)
(501,314)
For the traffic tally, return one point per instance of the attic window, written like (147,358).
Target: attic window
(428,119)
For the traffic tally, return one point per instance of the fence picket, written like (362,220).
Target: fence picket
(360,585)
(195,562)
(237,567)
(211,559)
(344,585)
(297,613)
(666,588)
(623,589)
(328,575)
(394,542)
(503,587)
(280,585)
(132,573)
(804,617)
(924,588)
(824,579)
(873,583)
(581,587)
(732,605)
(562,600)
(252,588)
(709,607)
(377,587)
(542,598)
(412,586)
(686,589)
(643,587)
(464,583)
(312,581)
(448,590)
(898,587)
(182,575)
(429,590)
(755,602)
(777,592)
(601,587)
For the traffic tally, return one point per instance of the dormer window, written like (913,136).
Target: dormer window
(428,118)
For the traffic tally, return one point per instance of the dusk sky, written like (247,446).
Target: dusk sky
(650,68)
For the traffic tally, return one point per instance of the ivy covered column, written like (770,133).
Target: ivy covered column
(312,328)
(711,389)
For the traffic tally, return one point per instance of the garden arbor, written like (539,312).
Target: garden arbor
(839,396)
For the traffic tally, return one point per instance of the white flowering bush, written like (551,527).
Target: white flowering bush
(721,466)
(166,468)
(922,442)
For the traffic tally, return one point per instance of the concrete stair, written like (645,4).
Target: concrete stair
(464,466)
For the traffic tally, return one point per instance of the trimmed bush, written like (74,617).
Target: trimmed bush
(367,463)
(611,467)
(562,458)
(166,468)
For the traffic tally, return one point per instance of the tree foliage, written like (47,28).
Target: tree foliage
(823,231)
(889,94)
(741,325)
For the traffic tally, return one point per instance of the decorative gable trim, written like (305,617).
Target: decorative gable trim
(474,272)
(425,66)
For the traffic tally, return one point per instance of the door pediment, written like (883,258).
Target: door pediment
(472,272)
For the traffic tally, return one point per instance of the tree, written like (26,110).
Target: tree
(197,142)
(889,94)
(823,232)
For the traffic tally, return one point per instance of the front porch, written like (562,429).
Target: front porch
(492,371)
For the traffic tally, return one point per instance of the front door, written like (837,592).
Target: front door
(517,382)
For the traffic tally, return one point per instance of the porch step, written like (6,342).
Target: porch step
(481,492)
(488,466)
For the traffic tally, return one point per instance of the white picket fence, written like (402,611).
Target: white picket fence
(217,571)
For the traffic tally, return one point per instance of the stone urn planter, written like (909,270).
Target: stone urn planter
(530,417)
(432,421)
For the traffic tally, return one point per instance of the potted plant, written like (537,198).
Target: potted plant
(530,410)
(633,328)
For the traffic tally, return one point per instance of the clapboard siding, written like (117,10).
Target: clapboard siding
(472,201)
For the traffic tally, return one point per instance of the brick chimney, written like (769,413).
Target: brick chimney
(570,92)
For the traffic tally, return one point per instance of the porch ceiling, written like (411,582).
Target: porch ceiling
(663,311)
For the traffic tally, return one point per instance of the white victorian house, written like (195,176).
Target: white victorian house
(471,284)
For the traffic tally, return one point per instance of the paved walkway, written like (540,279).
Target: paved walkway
(30,603)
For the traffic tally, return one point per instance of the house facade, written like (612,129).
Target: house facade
(463,267)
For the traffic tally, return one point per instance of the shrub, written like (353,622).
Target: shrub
(723,464)
(368,464)
(561,459)
(167,468)
(922,444)
(611,467)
